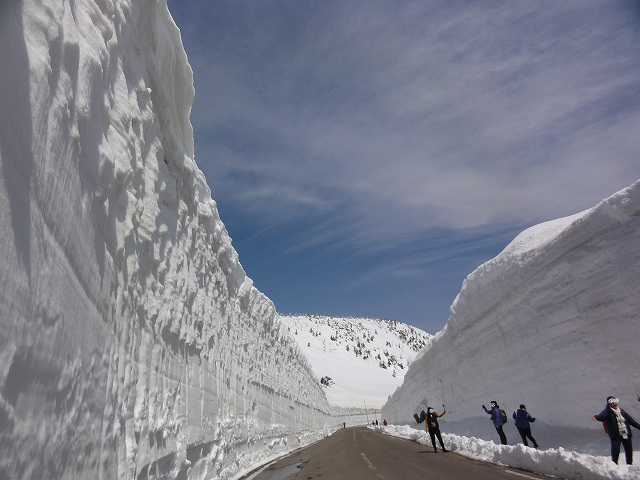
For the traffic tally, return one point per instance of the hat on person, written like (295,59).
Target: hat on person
(611,400)
(522,406)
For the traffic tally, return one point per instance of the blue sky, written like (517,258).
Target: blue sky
(366,156)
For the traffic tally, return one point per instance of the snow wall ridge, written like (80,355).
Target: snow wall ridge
(552,327)
(506,271)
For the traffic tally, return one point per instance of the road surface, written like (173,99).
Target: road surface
(362,454)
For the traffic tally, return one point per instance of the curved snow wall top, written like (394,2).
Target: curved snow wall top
(551,322)
(132,344)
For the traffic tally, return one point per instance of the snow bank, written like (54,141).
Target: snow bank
(132,345)
(558,462)
(551,322)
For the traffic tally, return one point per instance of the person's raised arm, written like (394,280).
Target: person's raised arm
(601,417)
(631,421)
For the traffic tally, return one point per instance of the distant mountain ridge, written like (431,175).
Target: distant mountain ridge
(357,360)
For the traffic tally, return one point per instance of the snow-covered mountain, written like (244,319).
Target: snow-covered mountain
(360,361)
(551,322)
(133,345)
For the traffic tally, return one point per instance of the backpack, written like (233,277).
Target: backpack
(503,416)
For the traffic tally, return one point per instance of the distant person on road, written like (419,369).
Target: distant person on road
(497,419)
(344,424)
(617,423)
(433,428)
(523,420)
(385,422)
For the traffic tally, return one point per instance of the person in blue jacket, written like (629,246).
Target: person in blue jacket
(496,418)
(618,423)
(523,424)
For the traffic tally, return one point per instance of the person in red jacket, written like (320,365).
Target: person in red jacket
(617,424)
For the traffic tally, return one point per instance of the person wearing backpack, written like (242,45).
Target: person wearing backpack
(617,423)
(499,418)
(523,424)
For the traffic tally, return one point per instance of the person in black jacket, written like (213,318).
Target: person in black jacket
(433,428)
(523,424)
(617,423)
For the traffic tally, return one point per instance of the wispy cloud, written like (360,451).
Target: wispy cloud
(442,115)
(376,124)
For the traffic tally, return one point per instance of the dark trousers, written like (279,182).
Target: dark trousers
(433,433)
(526,433)
(615,449)
(503,437)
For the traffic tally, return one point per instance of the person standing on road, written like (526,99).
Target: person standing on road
(523,424)
(617,423)
(433,428)
(497,420)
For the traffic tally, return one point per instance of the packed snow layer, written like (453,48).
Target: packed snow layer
(551,322)
(132,345)
(558,462)
(365,359)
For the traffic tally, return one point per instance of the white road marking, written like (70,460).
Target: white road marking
(378,474)
(520,474)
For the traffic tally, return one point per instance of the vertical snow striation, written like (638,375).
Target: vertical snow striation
(551,322)
(132,345)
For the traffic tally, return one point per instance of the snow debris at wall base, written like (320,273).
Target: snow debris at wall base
(557,462)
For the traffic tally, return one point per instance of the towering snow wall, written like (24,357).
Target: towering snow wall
(132,344)
(552,322)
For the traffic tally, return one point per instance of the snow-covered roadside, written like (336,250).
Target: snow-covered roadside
(558,462)
(262,458)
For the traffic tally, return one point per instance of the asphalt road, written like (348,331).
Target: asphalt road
(362,454)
